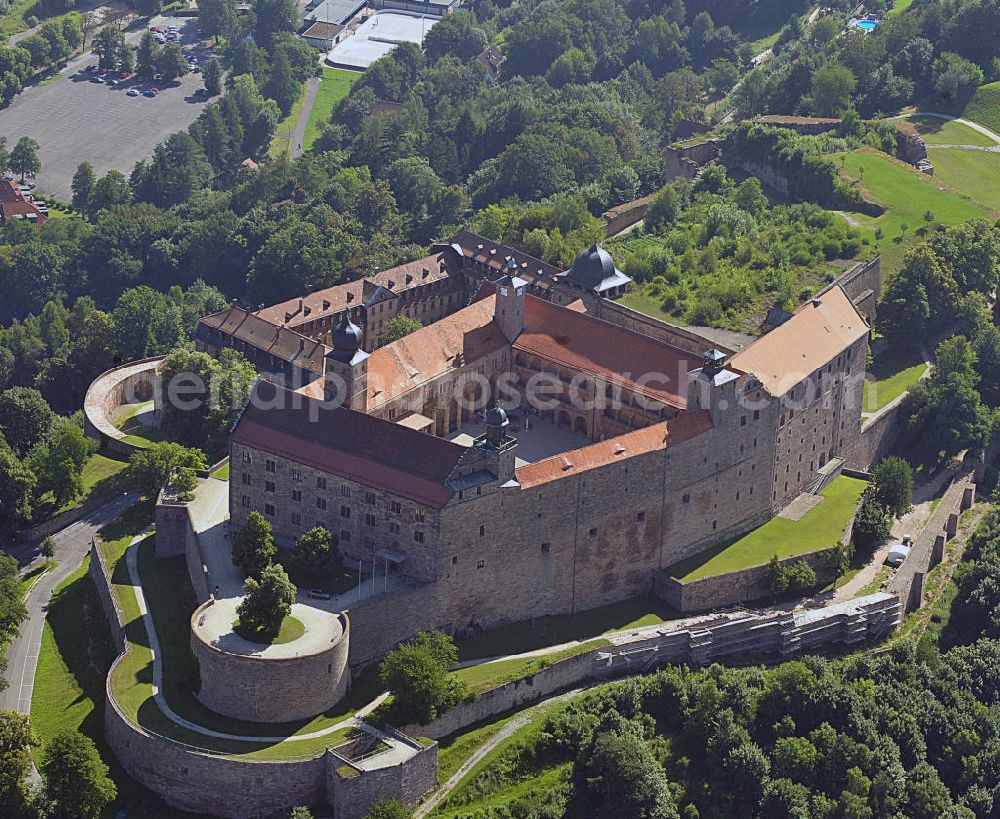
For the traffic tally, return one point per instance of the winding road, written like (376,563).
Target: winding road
(72,545)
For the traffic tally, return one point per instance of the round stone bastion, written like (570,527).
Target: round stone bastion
(287,682)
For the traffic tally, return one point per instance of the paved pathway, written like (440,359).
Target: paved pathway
(131,560)
(299,134)
(72,545)
(975,126)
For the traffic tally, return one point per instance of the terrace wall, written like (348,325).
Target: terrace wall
(101,577)
(131,383)
(734,587)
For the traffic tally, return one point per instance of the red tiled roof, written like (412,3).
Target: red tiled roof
(649,439)
(816,334)
(581,342)
(281,342)
(456,340)
(14,203)
(349,444)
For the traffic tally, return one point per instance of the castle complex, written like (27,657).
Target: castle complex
(522,455)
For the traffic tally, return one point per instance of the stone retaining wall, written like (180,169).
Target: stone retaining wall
(618,218)
(258,689)
(877,438)
(680,337)
(101,578)
(735,587)
(928,548)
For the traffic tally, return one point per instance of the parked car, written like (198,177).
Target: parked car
(96,79)
(150,92)
(897,554)
(320,594)
(196,69)
(133,92)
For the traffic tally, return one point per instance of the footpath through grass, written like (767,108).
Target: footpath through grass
(820,528)
(907,196)
(894,372)
(334,85)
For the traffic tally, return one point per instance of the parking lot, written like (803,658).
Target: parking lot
(74,119)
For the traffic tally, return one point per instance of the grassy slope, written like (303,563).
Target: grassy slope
(907,195)
(556,629)
(334,86)
(482,677)
(937,131)
(820,528)
(984,107)
(895,372)
(975,173)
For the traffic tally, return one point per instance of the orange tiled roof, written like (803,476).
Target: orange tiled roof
(14,203)
(581,342)
(461,338)
(649,439)
(816,334)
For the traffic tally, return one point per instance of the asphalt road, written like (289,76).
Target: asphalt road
(72,545)
(73,119)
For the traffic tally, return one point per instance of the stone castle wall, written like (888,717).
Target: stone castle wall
(131,383)
(256,689)
(877,439)
(626,215)
(354,794)
(736,587)
(101,577)
(680,337)
(863,284)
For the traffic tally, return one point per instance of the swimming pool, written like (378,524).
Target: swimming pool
(867,25)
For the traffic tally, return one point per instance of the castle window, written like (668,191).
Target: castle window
(345,490)
(268,486)
(454,560)
(269,509)
(545,548)
(418,515)
(345,535)
(296,519)
(246,501)
(345,511)
(756,415)
(593,533)
(369,520)
(743,420)
(394,527)
(395,507)
(297,495)
(686,498)
(321,483)
(715,525)
(321,503)
(246,458)
(418,537)
(247,479)
(269,465)
(641,516)
(370,498)
(482,531)
(481,564)
(296,475)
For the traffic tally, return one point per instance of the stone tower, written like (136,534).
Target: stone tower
(497,446)
(712,387)
(346,370)
(509,311)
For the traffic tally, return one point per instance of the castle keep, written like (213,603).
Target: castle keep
(519,456)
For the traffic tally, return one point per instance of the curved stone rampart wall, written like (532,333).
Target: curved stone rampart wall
(258,689)
(131,383)
(231,787)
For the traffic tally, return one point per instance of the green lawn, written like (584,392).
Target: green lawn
(222,473)
(291,629)
(333,87)
(907,195)
(976,174)
(69,687)
(482,677)
(98,478)
(820,528)
(984,107)
(171,600)
(556,629)
(135,431)
(282,142)
(937,131)
(900,7)
(894,371)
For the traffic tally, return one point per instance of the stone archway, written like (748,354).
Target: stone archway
(580,425)
(563,419)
